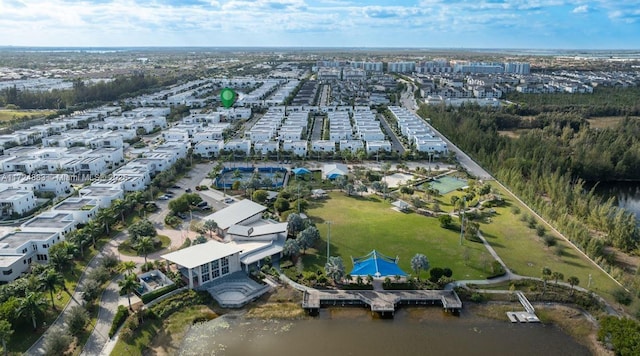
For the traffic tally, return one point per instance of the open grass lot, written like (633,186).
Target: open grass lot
(359,225)
(6,115)
(607,121)
(526,254)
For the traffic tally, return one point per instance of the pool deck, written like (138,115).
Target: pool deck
(380,301)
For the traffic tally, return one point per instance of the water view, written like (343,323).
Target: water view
(352,331)
(626,193)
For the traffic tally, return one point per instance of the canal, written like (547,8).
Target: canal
(353,331)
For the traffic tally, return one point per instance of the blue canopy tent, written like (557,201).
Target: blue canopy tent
(300,171)
(334,175)
(376,265)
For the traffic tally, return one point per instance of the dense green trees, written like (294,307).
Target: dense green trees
(623,334)
(549,164)
(119,88)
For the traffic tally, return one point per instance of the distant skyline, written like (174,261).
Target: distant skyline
(536,24)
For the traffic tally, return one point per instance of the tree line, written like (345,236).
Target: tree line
(82,93)
(549,166)
(605,101)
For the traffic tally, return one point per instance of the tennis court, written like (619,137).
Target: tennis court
(448,184)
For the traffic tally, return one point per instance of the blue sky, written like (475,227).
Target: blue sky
(571,24)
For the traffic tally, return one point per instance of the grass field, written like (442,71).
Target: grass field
(526,254)
(359,225)
(6,115)
(606,122)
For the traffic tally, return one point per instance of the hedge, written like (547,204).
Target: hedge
(118,319)
(146,298)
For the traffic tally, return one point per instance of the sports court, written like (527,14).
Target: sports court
(448,184)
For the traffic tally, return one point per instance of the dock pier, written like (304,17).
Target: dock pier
(381,302)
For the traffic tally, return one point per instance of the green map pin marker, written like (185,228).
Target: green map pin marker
(228,96)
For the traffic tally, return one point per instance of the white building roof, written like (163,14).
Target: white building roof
(200,254)
(236,213)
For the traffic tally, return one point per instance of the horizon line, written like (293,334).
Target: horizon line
(321,47)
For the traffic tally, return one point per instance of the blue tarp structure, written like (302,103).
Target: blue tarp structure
(334,175)
(300,171)
(376,265)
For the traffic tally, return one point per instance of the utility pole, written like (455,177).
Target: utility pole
(328,237)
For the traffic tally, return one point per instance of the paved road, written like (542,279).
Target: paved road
(324,95)
(396,145)
(316,133)
(76,299)
(98,342)
(465,161)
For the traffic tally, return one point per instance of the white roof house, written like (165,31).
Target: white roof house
(206,262)
(243,211)
(335,169)
(200,254)
(257,232)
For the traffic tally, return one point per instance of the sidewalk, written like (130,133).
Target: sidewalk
(76,299)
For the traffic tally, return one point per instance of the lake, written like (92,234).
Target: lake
(626,193)
(353,331)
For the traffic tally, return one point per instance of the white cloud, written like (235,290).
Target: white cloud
(33,22)
(581,9)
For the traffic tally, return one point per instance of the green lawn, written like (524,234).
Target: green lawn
(359,225)
(526,254)
(6,115)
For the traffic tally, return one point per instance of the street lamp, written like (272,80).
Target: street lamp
(328,237)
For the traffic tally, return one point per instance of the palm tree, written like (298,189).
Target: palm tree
(129,285)
(546,275)
(80,238)
(119,207)
(49,280)
(211,226)
(334,269)
(369,279)
(573,281)
(31,305)
(145,243)
(557,276)
(105,217)
(93,230)
(419,262)
(127,267)
(60,255)
(5,333)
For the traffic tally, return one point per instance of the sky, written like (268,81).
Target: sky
(537,24)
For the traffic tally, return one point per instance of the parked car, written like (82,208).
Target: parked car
(163,197)
(207,207)
(181,215)
(188,190)
(202,204)
(229,200)
(176,187)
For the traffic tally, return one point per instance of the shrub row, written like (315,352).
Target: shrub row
(120,317)
(146,298)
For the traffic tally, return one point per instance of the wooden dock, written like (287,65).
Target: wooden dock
(380,301)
